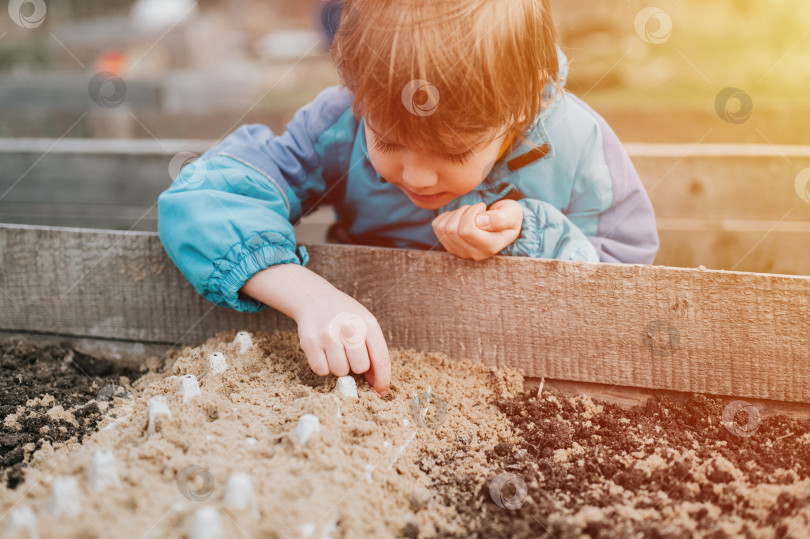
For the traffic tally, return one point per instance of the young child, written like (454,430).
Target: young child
(451,131)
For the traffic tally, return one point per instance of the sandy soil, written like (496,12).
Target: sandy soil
(358,477)
(455,450)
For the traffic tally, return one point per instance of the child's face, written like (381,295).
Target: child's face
(427,173)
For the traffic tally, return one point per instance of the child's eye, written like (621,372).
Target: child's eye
(383,147)
(460,158)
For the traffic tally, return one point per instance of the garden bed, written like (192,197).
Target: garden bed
(51,394)
(456,449)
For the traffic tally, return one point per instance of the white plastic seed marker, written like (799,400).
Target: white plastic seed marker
(217,363)
(188,387)
(65,497)
(103,472)
(22,523)
(206,524)
(157,409)
(239,494)
(308,530)
(308,425)
(346,386)
(243,341)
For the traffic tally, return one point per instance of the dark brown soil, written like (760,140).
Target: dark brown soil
(608,472)
(35,379)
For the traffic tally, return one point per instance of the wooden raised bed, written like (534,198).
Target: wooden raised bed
(616,331)
(727,206)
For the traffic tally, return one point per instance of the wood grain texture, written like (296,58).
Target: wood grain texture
(653,327)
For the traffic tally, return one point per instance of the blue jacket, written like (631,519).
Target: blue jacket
(230,213)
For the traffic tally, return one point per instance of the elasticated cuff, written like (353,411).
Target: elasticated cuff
(242,261)
(530,241)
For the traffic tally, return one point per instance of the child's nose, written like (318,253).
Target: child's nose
(417,178)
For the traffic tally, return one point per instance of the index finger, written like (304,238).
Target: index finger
(380,359)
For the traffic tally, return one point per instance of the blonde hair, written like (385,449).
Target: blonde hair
(429,71)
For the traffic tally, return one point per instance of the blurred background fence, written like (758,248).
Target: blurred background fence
(97,97)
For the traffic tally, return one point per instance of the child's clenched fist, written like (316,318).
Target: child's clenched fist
(477,232)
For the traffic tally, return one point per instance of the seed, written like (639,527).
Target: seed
(103,472)
(206,524)
(308,425)
(65,497)
(156,409)
(217,363)
(347,386)
(188,387)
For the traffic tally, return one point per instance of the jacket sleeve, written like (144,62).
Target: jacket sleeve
(609,217)
(230,213)
(626,229)
(548,233)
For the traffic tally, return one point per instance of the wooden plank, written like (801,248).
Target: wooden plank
(88,173)
(310,229)
(723,181)
(704,181)
(759,250)
(628,397)
(724,333)
(723,206)
(123,352)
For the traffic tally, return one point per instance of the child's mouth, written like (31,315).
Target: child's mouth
(422,198)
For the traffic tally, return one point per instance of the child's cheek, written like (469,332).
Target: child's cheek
(382,164)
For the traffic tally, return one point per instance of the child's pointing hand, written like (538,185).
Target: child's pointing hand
(477,232)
